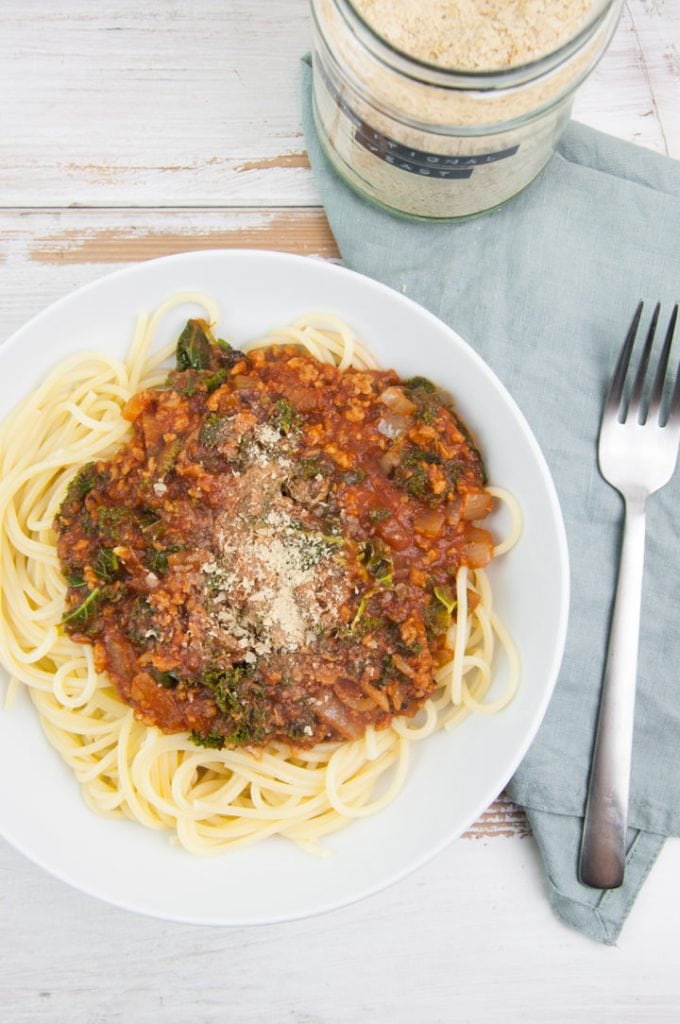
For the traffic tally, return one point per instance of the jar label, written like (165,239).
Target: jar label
(404,158)
(418,161)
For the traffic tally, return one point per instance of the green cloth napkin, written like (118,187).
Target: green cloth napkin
(544,289)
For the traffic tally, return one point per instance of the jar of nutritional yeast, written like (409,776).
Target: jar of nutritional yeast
(448,108)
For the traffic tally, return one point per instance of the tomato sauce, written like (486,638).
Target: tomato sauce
(273,553)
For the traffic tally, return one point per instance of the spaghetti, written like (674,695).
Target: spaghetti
(211,799)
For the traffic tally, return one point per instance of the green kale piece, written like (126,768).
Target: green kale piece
(446,597)
(225,684)
(411,473)
(80,486)
(413,479)
(214,430)
(378,515)
(168,457)
(74,578)
(313,465)
(168,680)
(215,740)
(353,477)
(194,348)
(140,621)
(286,417)
(216,380)
(240,698)
(387,671)
(246,732)
(82,483)
(414,383)
(157,561)
(437,619)
(110,520)
(106,564)
(85,609)
(378,560)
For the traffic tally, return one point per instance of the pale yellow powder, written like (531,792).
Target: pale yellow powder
(475,35)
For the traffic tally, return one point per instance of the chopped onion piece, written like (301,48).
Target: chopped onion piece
(477,549)
(476,505)
(331,710)
(430,523)
(396,401)
(390,459)
(392,425)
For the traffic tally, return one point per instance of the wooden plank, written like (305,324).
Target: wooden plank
(198,104)
(468,938)
(656,27)
(47,253)
(503,820)
(299,231)
(174,104)
(623,97)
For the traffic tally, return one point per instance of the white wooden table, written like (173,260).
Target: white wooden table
(132,130)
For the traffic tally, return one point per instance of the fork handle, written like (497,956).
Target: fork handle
(603,847)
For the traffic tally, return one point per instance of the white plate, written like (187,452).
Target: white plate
(454,776)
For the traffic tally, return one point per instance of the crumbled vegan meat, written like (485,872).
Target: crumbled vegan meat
(261,561)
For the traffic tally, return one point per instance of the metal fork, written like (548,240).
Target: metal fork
(638,450)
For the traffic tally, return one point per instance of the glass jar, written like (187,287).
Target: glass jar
(433,142)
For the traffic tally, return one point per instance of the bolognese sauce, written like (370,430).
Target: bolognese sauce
(273,555)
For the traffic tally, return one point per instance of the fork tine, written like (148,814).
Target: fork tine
(635,403)
(657,390)
(674,410)
(616,387)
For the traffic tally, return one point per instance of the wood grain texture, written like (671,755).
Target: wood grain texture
(165,103)
(467,939)
(197,103)
(46,253)
(299,231)
(504,819)
(634,93)
(655,25)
